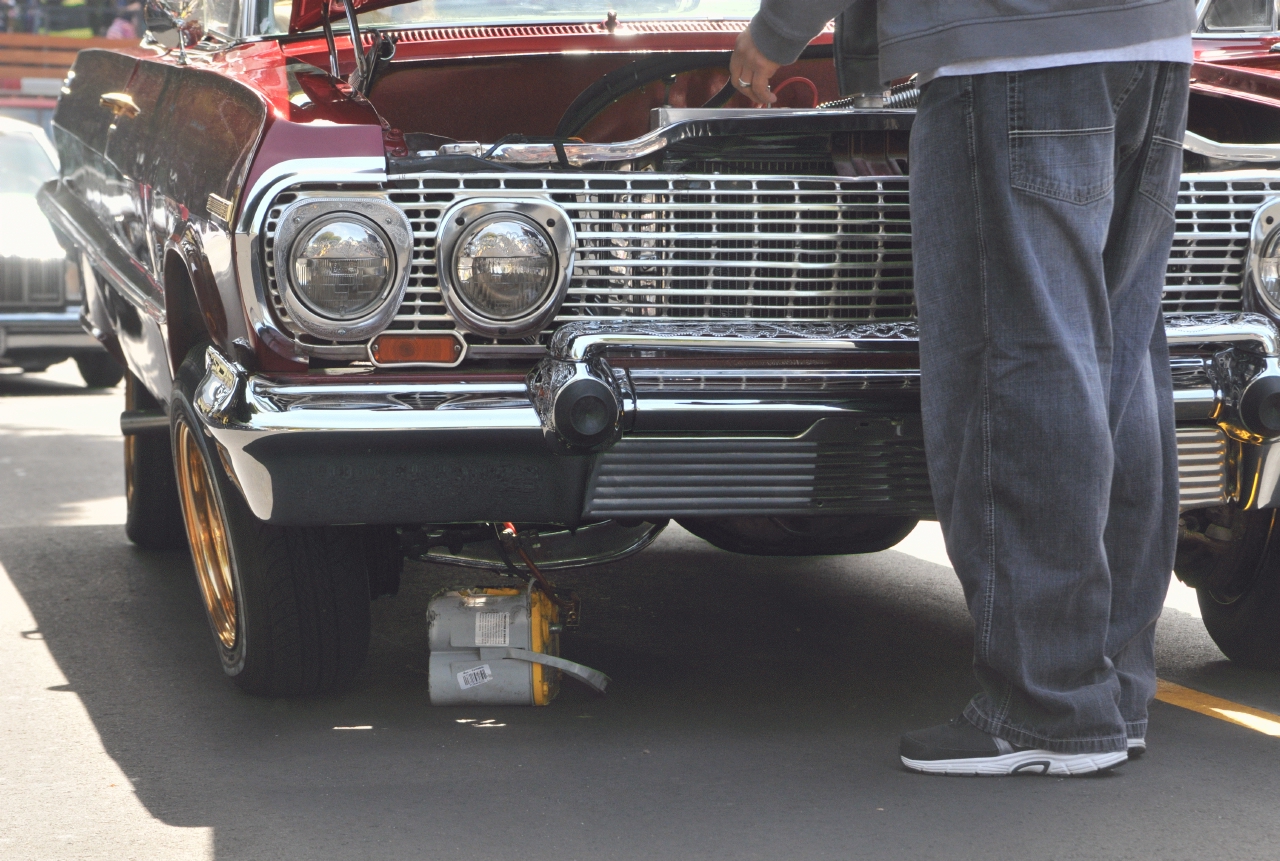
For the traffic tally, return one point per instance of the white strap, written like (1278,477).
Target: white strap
(586,675)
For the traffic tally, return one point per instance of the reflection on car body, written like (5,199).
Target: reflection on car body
(510,263)
(39,286)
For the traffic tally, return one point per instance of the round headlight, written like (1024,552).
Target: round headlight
(342,267)
(504,267)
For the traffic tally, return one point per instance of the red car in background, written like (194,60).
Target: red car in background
(537,263)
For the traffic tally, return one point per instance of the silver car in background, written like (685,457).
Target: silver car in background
(40,288)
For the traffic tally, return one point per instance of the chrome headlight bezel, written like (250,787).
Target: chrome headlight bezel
(1264,233)
(387,219)
(555,227)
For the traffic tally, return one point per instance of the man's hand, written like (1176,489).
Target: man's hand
(750,71)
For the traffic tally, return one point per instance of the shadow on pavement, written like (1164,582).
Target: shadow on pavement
(37,384)
(754,713)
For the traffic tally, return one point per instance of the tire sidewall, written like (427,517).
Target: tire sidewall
(1248,628)
(832,536)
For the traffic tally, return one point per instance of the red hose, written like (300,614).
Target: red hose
(813,88)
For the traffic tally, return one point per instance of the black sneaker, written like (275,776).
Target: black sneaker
(960,748)
(1137,747)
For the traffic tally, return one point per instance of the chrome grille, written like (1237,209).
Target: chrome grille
(780,381)
(1202,467)
(874,472)
(32,284)
(750,248)
(1206,264)
(655,246)
(700,248)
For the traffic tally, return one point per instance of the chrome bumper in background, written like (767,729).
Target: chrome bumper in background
(649,420)
(46,331)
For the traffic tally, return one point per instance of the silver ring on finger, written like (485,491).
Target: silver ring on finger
(742,83)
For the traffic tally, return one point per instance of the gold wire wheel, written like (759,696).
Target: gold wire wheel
(130,441)
(207,532)
(130,453)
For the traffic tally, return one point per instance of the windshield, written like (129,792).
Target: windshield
(1252,16)
(24,165)
(455,13)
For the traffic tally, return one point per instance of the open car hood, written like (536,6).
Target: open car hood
(308,14)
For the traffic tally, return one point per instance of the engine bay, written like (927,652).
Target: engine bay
(665,113)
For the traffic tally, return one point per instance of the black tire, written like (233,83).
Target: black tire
(301,617)
(802,536)
(153,518)
(1237,581)
(99,370)
(385,559)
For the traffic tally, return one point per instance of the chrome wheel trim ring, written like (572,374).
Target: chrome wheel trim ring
(207,532)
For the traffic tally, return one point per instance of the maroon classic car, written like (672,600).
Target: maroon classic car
(516,262)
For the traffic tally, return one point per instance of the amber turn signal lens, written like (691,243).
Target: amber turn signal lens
(436,349)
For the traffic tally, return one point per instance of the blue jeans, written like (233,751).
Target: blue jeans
(1042,211)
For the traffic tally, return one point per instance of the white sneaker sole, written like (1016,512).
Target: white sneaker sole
(1021,762)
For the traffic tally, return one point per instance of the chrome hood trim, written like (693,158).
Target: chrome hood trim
(1258,153)
(704,123)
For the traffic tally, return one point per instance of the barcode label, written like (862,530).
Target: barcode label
(475,676)
(493,629)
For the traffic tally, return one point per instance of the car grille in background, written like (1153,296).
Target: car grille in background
(881,474)
(31,284)
(1202,467)
(1206,264)
(681,247)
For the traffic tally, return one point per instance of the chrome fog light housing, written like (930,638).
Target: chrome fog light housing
(341,265)
(505,265)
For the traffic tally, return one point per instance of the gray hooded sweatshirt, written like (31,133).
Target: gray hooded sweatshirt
(882,40)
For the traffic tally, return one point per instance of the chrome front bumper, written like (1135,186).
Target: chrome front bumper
(703,419)
(51,331)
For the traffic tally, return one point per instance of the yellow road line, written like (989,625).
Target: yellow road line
(1254,719)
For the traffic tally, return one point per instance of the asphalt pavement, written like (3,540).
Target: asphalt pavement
(754,711)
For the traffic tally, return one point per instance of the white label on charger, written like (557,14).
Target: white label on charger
(493,629)
(475,676)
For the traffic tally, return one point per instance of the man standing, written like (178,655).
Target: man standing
(1044,163)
